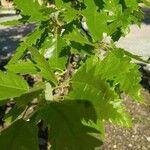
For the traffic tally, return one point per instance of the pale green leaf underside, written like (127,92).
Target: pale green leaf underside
(87,84)
(48,92)
(118,68)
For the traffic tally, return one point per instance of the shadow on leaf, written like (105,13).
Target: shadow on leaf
(66,128)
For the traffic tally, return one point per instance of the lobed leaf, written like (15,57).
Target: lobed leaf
(117,66)
(70,126)
(88,84)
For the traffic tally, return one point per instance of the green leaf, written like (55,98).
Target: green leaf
(59,53)
(22,67)
(98,92)
(22,102)
(42,64)
(59,3)
(118,68)
(30,40)
(66,128)
(76,36)
(136,57)
(11,85)
(21,135)
(113,27)
(96,21)
(114,10)
(81,49)
(30,8)
(46,47)
(132,4)
(79,43)
(69,14)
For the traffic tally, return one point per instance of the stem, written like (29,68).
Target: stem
(25,111)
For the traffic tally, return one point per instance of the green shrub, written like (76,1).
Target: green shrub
(77,72)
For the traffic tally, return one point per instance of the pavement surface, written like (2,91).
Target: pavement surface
(137,41)
(10,37)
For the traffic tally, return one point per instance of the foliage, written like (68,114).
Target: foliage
(78,73)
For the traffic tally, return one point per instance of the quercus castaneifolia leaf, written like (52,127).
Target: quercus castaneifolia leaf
(63,29)
(88,84)
(127,76)
(72,125)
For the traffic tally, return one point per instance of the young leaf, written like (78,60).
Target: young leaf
(21,135)
(11,85)
(118,68)
(114,10)
(59,3)
(97,91)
